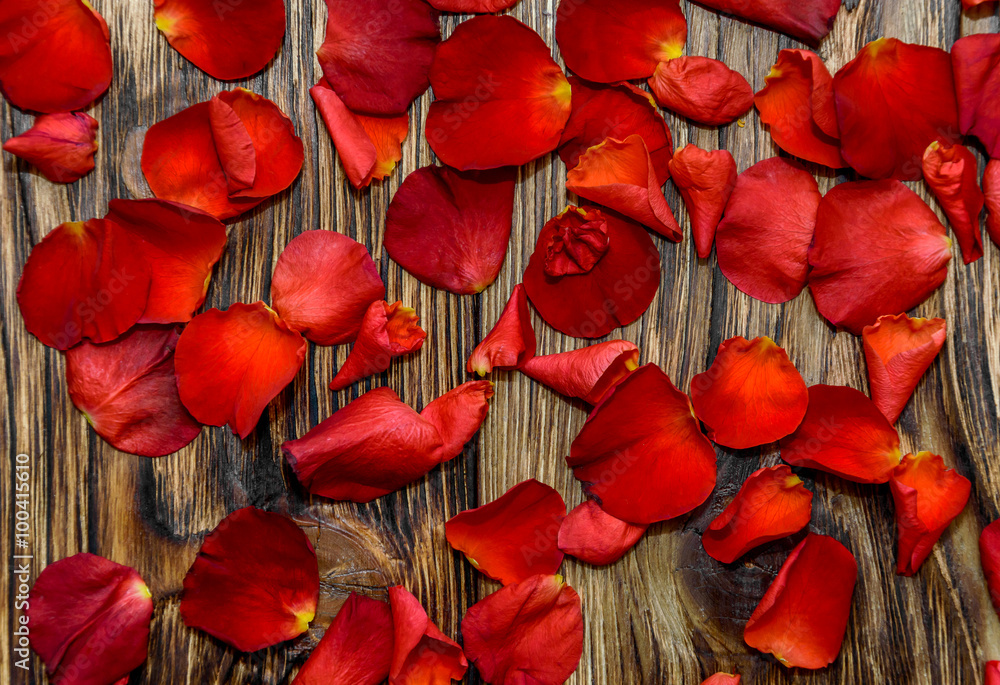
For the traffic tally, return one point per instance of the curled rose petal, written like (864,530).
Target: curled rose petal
(254,583)
(928,497)
(722,679)
(595,537)
(587,373)
(127,390)
(989,555)
(513,537)
(808,21)
(845,434)
(751,395)
(976,62)
(892,101)
(705,181)
(231,364)
(323,283)
(368,145)
(61,146)
(356,649)
(83,280)
(878,249)
(499,98)
(642,33)
(951,173)
(387,331)
(899,350)
(227,41)
(803,616)
(457,415)
(991,192)
(450,229)
(89,619)
(510,343)
(702,89)
(619,174)
(613,285)
(772,503)
(421,653)
(762,244)
(530,632)
(642,454)
(56,58)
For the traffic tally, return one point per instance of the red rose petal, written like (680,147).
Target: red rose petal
(992,667)
(60,145)
(531,632)
(513,537)
(991,192)
(617,289)
(127,390)
(722,679)
(751,395)
(323,283)
(808,21)
(702,89)
(89,619)
(619,174)
(83,280)
(377,53)
(975,60)
(231,364)
(254,583)
(368,146)
(614,111)
(57,56)
(803,616)
(899,350)
(705,181)
(499,98)
(893,100)
(595,537)
(587,373)
(472,6)
(641,451)
(952,175)
(510,343)
(619,40)
(928,497)
(421,653)
(762,244)
(457,415)
(772,504)
(786,105)
(989,554)
(387,331)
(450,229)
(356,649)
(233,145)
(878,249)
(844,433)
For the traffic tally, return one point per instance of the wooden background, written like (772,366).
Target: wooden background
(666,613)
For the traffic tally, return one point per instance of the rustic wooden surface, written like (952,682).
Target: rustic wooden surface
(666,613)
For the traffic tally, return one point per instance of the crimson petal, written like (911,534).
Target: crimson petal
(421,653)
(808,21)
(976,63)
(510,343)
(989,555)
(951,173)
(705,181)
(702,89)
(355,650)
(387,331)
(61,146)
(593,536)
(991,192)
(587,373)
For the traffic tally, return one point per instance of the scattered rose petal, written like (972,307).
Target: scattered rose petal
(254,583)
(530,632)
(387,331)
(89,619)
(803,616)
(595,537)
(751,395)
(992,667)
(513,537)
(878,249)
(511,341)
(722,679)
(928,497)
(450,229)
(845,434)
(808,21)
(587,373)
(421,653)
(702,89)
(899,350)
(762,244)
(227,41)
(952,175)
(60,145)
(642,454)
(705,181)
(772,504)
(892,101)
(231,364)
(323,283)
(989,554)
(991,192)
(976,63)
(472,6)
(611,288)
(355,650)
(457,415)
(499,98)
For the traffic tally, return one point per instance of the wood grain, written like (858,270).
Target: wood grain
(666,613)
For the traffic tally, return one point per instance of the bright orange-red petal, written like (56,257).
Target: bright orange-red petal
(722,679)
(593,536)
(511,341)
(951,172)
(587,373)
(387,331)
(992,667)
(975,60)
(421,653)
(457,415)
(356,648)
(705,181)
(991,192)
(61,146)
(472,6)
(701,89)
(989,555)
(808,21)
